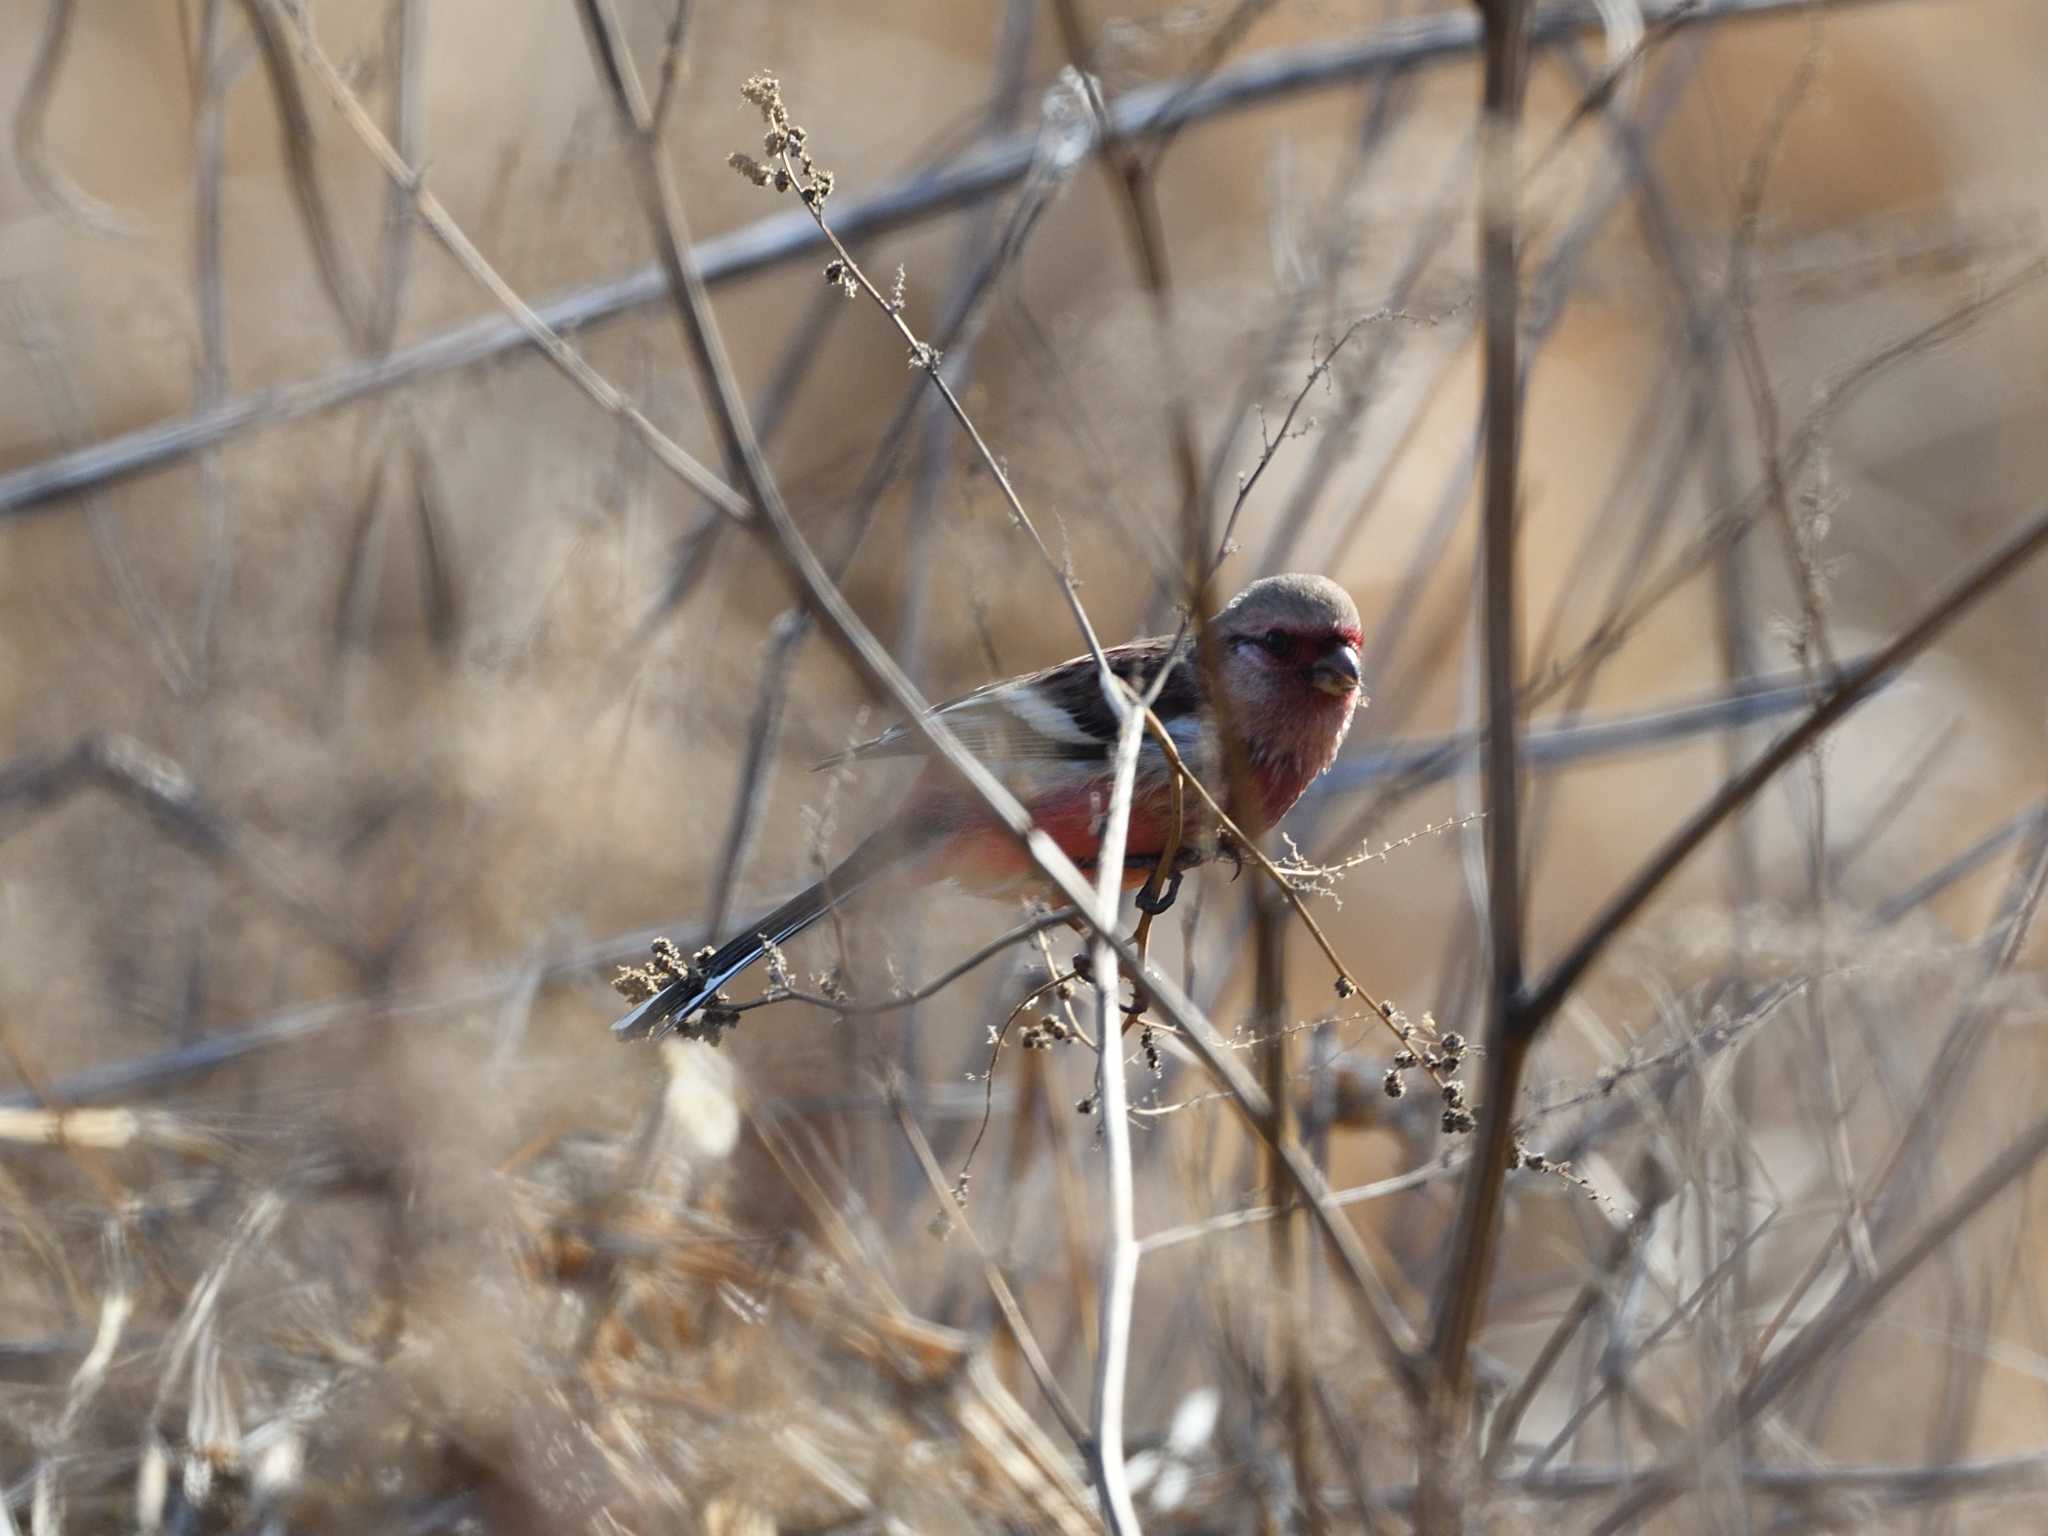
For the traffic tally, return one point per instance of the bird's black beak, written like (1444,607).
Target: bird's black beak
(1337,671)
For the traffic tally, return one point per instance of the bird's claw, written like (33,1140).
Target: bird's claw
(1226,848)
(1153,905)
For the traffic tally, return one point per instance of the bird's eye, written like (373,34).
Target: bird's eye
(1276,641)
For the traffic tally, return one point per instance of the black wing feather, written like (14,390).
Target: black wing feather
(987,724)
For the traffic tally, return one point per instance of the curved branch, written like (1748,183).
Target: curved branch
(52,188)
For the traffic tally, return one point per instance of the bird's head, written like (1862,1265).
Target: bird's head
(1289,663)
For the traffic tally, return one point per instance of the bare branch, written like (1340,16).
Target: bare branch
(1006,1299)
(1509,1032)
(790,236)
(601,391)
(125,768)
(1849,690)
(52,187)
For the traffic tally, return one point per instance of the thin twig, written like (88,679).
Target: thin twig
(852,1009)
(1509,1033)
(1688,1307)
(1957,1051)
(1813,1488)
(1132,184)
(436,217)
(52,187)
(927,358)
(1847,1312)
(982,247)
(208,135)
(1849,690)
(1416,763)
(1232,1221)
(29,321)
(159,787)
(1627,1242)
(1006,1299)
(1889,911)
(344,287)
(406,28)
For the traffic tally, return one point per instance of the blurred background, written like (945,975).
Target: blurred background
(368,692)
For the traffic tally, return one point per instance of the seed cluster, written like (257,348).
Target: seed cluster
(1440,1056)
(1045,1032)
(785,143)
(668,968)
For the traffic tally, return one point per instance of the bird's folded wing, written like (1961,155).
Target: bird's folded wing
(1058,715)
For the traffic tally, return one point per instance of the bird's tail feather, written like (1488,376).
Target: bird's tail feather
(679,999)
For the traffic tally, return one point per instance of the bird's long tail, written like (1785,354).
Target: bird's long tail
(680,999)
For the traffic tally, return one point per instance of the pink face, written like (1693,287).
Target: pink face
(1303,661)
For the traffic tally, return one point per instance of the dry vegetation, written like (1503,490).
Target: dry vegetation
(381,662)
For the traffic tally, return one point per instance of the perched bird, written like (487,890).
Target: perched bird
(1287,667)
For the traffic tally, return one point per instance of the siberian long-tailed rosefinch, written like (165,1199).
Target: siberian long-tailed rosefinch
(1287,667)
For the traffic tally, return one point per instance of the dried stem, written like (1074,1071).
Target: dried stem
(787,237)
(1006,1299)
(605,395)
(1510,1032)
(1852,687)
(1119,1279)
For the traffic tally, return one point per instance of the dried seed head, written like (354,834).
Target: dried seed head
(1345,986)
(710,1025)
(1454,1045)
(1454,1094)
(1404,1060)
(1044,1032)
(634,984)
(1394,1083)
